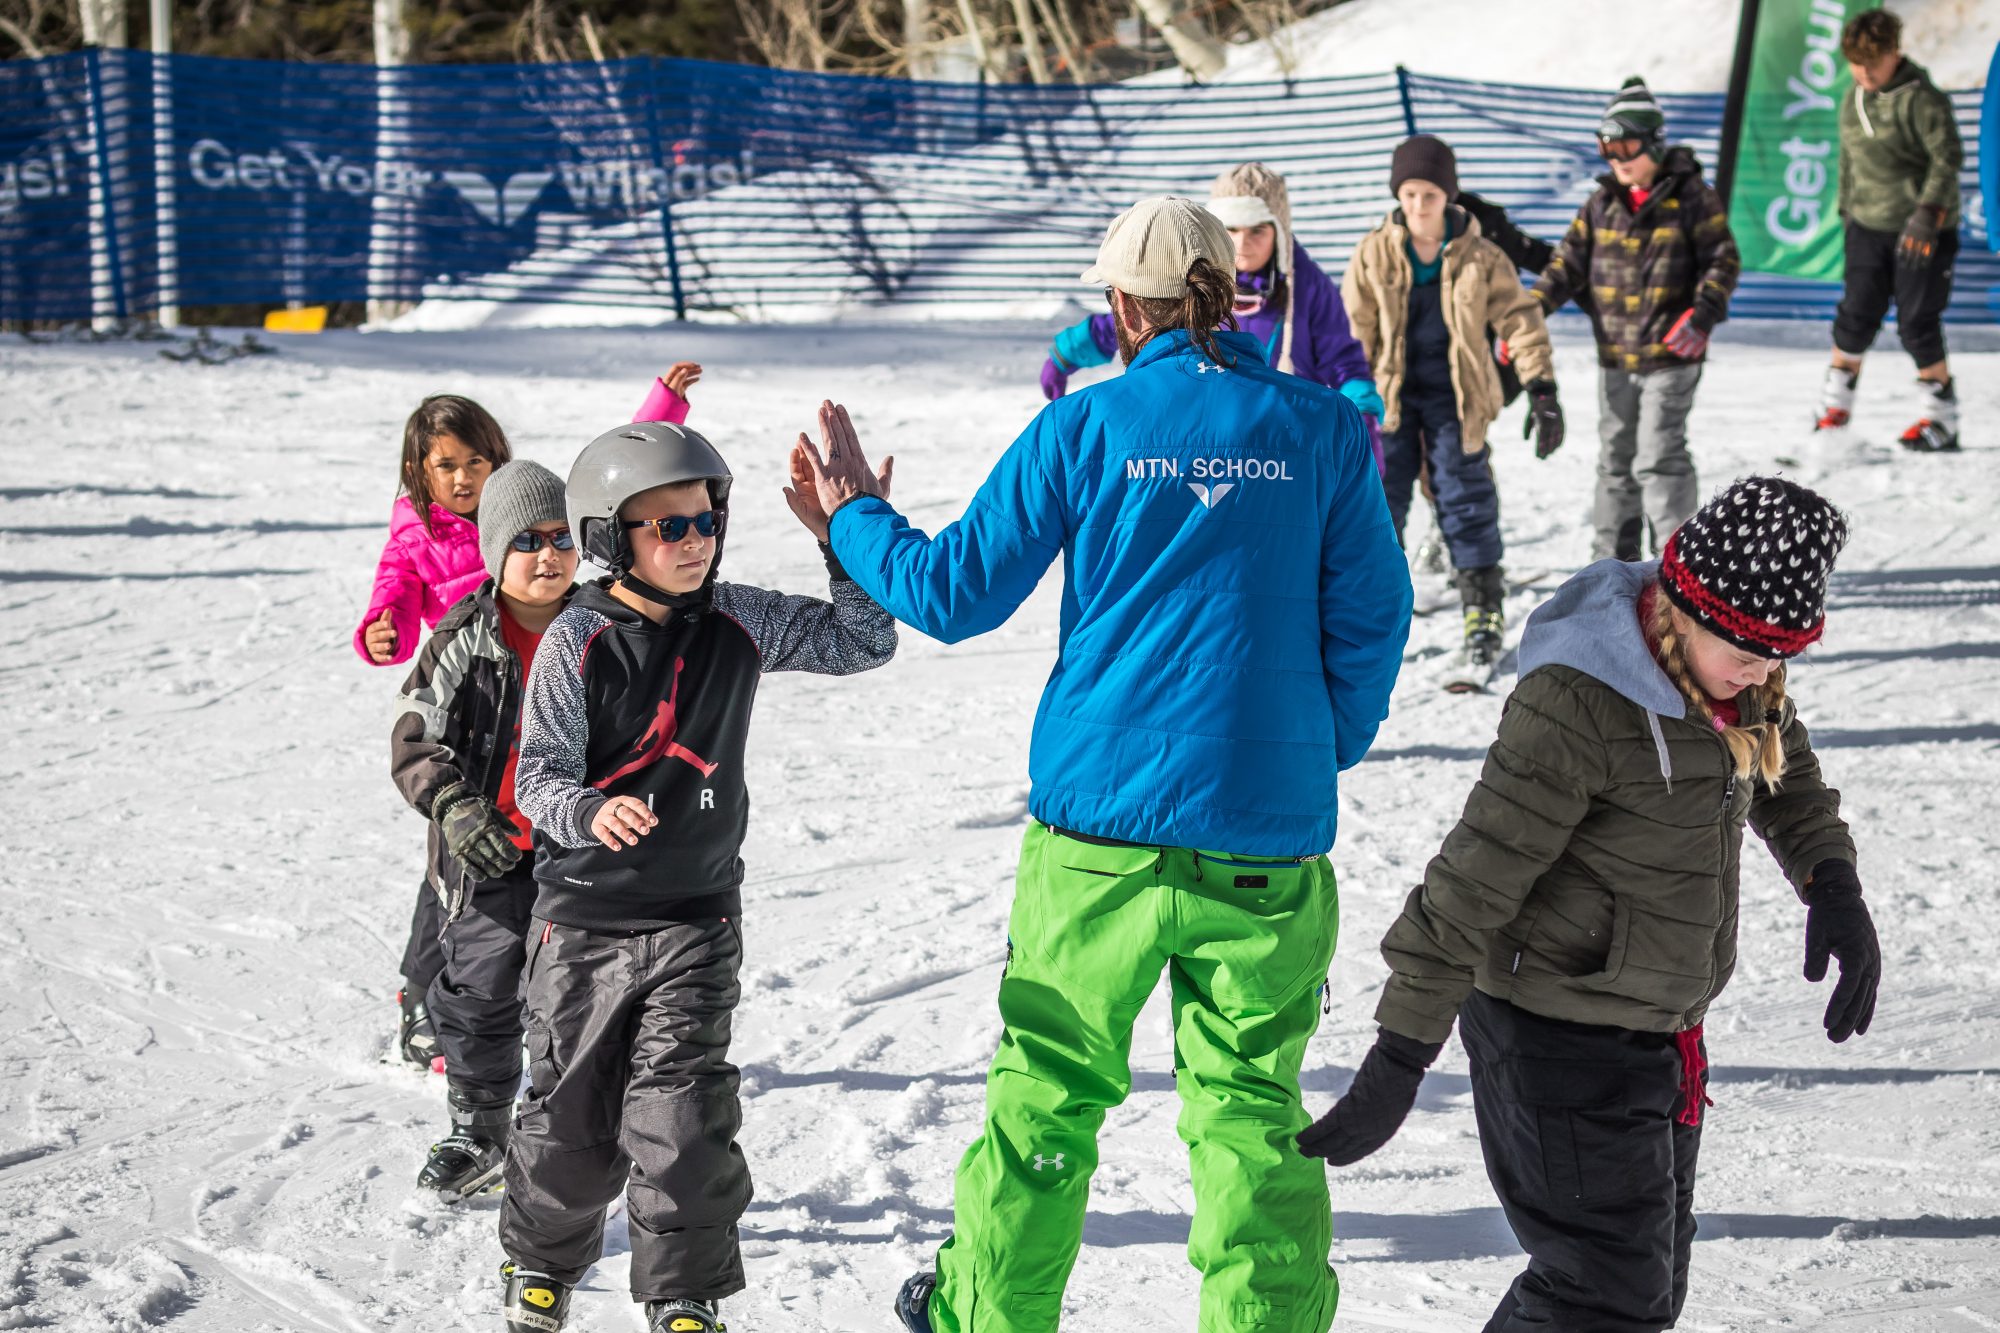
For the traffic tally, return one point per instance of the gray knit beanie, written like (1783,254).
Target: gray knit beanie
(517,497)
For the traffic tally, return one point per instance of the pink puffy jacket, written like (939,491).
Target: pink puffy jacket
(423,574)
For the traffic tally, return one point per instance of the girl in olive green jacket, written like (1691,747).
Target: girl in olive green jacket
(1581,917)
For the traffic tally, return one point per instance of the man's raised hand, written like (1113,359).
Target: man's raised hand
(839,469)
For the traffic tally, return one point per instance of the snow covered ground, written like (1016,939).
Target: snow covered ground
(207,875)
(1576,43)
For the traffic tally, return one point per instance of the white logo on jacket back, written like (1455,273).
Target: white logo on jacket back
(1209,486)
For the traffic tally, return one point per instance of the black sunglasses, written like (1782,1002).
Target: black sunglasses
(530,540)
(675,528)
(1621,150)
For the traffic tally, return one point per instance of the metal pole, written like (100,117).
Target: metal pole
(1409,107)
(1732,106)
(107,275)
(390,212)
(165,213)
(655,68)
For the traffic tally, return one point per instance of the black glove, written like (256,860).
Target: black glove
(1838,926)
(476,832)
(1920,236)
(1545,418)
(1383,1091)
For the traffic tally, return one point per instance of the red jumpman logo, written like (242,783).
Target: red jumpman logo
(658,743)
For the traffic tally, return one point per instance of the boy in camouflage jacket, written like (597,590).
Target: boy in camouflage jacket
(1651,259)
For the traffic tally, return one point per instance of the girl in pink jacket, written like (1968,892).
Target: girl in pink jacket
(450,446)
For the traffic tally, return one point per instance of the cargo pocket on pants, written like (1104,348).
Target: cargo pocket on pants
(542,1073)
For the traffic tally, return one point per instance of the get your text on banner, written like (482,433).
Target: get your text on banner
(1784,208)
(128,181)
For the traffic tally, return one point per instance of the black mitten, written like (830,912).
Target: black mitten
(1383,1091)
(1838,926)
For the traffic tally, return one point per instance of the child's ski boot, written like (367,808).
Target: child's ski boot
(1484,596)
(470,1158)
(1836,398)
(415,1037)
(684,1316)
(1936,431)
(913,1302)
(536,1302)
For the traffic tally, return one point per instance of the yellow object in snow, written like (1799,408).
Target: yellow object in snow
(306,319)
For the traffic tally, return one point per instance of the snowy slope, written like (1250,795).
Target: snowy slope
(206,874)
(1684,47)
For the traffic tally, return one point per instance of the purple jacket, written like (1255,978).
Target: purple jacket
(1324,349)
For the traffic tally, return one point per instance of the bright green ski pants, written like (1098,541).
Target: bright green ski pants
(1246,943)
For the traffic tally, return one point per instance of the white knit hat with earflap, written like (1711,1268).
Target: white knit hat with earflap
(1256,194)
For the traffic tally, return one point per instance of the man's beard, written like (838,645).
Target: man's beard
(1128,346)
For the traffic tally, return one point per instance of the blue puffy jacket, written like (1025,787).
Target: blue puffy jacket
(1234,609)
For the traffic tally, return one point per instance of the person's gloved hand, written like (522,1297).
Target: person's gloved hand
(1920,237)
(1686,339)
(1838,926)
(1373,1108)
(1055,380)
(475,831)
(1544,424)
(1364,395)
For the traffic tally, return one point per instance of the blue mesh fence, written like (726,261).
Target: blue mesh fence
(128,181)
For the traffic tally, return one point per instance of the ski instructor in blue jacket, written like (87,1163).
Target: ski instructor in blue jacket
(1233,615)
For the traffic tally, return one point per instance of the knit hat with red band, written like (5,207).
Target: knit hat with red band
(1751,565)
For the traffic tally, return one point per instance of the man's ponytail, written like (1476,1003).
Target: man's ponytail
(1208,305)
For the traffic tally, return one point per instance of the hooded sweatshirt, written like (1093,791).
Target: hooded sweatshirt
(618,705)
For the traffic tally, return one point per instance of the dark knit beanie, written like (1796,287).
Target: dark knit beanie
(518,496)
(1751,565)
(1425,157)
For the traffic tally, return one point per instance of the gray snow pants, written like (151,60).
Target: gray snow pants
(1646,483)
(475,999)
(630,1087)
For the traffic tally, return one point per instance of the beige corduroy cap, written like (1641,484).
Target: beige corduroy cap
(1149,248)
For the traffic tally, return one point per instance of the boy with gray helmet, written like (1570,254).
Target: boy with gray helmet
(632,745)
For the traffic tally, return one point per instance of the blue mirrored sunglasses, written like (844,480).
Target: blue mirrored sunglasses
(530,540)
(675,528)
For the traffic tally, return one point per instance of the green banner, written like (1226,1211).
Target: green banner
(1784,206)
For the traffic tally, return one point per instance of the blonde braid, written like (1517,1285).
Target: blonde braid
(1758,749)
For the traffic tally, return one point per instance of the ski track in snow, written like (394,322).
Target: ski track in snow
(208,875)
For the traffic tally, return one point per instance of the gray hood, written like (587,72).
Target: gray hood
(1592,625)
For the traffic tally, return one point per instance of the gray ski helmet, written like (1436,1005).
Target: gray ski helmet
(619,464)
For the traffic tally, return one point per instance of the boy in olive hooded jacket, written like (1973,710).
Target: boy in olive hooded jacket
(1900,157)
